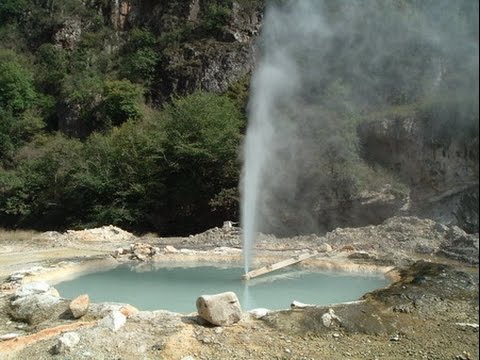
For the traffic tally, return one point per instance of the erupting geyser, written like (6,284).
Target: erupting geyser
(323,68)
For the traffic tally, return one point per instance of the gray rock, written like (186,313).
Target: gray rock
(119,252)
(37,287)
(100,310)
(299,305)
(8,336)
(66,342)
(259,313)
(329,318)
(169,249)
(395,337)
(219,309)
(461,246)
(325,247)
(113,321)
(79,306)
(36,308)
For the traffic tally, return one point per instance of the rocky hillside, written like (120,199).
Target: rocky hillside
(186,46)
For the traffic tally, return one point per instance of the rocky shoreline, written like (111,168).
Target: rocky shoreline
(429,311)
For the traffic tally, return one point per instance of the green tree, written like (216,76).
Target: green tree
(202,138)
(37,192)
(140,57)
(217,15)
(17,92)
(122,177)
(121,102)
(53,63)
(11,9)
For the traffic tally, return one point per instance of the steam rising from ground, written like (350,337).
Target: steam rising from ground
(323,65)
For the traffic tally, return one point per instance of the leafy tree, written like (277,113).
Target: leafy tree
(202,138)
(35,193)
(53,64)
(140,57)
(217,15)
(80,98)
(17,92)
(15,131)
(122,177)
(121,101)
(11,9)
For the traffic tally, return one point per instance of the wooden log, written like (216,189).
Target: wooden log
(272,267)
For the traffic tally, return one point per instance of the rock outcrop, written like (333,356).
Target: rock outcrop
(441,174)
(211,63)
(461,246)
(401,236)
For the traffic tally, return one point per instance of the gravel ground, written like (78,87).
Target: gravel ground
(431,312)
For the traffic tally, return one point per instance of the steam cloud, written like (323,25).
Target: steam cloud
(322,64)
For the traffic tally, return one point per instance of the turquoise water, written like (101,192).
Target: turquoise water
(177,288)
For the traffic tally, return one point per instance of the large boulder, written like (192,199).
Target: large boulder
(36,302)
(220,309)
(36,308)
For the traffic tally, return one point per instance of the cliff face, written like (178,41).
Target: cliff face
(198,62)
(442,175)
(205,45)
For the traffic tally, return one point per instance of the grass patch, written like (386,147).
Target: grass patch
(17,235)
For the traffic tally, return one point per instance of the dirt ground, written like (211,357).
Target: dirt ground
(430,312)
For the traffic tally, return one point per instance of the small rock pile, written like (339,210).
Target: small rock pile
(105,234)
(137,251)
(227,235)
(14,280)
(108,233)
